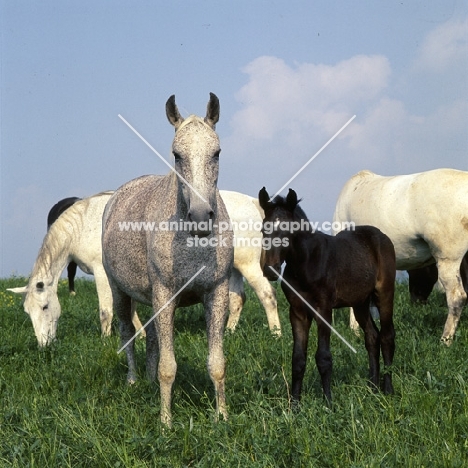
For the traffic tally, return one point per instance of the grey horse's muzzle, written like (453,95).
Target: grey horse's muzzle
(201,221)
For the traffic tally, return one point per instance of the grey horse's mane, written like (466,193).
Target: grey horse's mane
(59,237)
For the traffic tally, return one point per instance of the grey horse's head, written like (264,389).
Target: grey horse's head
(196,153)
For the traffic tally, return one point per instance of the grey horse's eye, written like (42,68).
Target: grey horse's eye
(216,155)
(177,156)
(45,307)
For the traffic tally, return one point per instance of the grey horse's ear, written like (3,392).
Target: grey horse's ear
(263,198)
(173,113)
(291,200)
(212,111)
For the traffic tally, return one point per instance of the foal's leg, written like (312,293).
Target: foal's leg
(384,302)
(216,304)
(236,298)
(300,323)
(371,339)
(323,356)
(449,275)
(71,270)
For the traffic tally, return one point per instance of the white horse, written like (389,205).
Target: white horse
(76,235)
(426,217)
(246,218)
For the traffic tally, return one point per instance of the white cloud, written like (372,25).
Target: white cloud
(445,46)
(280,99)
(289,111)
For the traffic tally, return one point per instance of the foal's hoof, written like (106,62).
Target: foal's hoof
(295,405)
(72,293)
(387,387)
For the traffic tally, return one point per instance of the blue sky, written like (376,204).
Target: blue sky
(288,76)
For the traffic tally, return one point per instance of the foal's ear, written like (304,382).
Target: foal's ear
(173,113)
(212,111)
(291,200)
(263,198)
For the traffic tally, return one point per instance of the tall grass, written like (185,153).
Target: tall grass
(69,405)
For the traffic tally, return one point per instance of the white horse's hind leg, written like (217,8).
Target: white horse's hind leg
(236,298)
(449,275)
(353,323)
(265,292)
(105,300)
(136,320)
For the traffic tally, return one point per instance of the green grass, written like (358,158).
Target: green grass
(69,405)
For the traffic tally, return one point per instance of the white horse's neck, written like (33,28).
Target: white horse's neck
(54,254)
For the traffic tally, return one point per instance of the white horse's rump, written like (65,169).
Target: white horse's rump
(426,217)
(76,235)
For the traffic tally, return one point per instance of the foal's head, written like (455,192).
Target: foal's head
(277,229)
(196,153)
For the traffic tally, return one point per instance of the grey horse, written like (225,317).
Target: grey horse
(153,266)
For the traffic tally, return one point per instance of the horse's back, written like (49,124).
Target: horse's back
(417,211)
(367,243)
(85,220)
(364,257)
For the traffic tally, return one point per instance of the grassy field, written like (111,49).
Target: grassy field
(69,405)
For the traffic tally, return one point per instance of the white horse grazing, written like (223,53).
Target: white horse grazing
(76,235)
(426,217)
(246,218)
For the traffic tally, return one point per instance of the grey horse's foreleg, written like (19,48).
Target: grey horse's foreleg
(167,367)
(216,306)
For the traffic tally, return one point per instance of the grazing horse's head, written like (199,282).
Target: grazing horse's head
(276,229)
(196,153)
(43,307)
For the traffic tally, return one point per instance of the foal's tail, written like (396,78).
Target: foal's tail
(385,286)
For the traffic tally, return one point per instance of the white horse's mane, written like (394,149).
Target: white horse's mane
(59,238)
